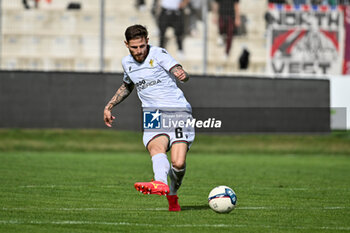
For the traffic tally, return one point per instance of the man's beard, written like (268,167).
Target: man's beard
(140,56)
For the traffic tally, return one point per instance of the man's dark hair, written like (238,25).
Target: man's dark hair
(136,31)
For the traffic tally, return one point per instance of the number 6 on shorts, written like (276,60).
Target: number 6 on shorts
(178,132)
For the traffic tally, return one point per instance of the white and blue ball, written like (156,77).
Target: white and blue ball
(222,199)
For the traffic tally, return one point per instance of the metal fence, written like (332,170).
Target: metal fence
(88,35)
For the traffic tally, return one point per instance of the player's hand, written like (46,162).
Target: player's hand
(180,74)
(108,118)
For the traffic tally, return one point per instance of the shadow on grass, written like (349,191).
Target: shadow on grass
(194,207)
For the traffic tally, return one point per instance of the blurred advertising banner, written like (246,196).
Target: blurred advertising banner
(346,66)
(305,39)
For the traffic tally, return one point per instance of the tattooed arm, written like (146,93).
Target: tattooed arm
(123,92)
(179,73)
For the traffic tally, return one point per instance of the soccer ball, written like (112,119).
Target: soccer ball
(222,199)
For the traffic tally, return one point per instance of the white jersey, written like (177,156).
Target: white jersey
(156,86)
(171,4)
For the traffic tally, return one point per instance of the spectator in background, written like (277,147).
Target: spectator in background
(172,15)
(140,5)
(155,11)
(196,14)
(227,17)
(25,4)
(36,3)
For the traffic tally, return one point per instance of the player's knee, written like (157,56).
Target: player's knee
(178,164)
(156,149)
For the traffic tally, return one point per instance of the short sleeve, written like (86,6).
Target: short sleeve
(165,59)
(126,78)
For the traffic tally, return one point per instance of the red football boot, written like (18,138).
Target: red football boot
(153,187)
(173,203)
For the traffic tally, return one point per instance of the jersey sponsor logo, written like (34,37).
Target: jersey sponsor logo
(141,85)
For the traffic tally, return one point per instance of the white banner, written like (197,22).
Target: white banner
(305,39)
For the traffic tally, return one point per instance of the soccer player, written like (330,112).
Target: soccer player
(155,73)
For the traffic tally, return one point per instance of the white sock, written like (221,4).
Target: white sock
(176,176)
(160,167)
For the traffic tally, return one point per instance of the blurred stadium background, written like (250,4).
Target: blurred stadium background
(290,40)
(52,38)
(68,35)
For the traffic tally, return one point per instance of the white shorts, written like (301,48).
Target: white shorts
(175,126)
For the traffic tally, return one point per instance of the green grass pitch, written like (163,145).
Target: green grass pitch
(82,181)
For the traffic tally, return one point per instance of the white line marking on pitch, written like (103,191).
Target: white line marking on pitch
(18,222)
(164,209)
(291,208)
(247,188)
(67,186)
(81,209)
